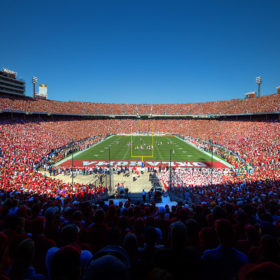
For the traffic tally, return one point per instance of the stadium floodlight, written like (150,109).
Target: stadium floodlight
(72,175)
(259,81)
(211,144)
(34,81)
(170,174)
(110,172)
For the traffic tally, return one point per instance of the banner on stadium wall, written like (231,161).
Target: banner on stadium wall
(163,164)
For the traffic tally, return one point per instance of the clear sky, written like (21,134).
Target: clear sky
(143,51)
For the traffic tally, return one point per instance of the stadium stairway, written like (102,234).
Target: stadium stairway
(226,109)
(136,187)
(193,109)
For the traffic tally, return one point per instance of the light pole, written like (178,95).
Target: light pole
(170,177)
(72,162)
(211,143)
(34,81)
(110,167)
(259,81)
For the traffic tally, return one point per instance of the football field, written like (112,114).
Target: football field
(122,148)
(160,149)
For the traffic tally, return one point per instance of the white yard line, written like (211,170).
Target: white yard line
(127,150)
(206,153)
(78,153)
(159,152)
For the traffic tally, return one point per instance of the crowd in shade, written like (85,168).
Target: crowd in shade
(47,238)
(55,230)
(266,103)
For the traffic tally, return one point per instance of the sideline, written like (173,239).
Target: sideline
(206,153)
(80,152)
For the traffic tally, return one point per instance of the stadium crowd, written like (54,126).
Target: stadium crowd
(53,230)
(48,238)
(24,144)
(267,103)
(193,177)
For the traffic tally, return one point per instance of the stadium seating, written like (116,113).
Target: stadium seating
(256,143)
(47,224)
(267,103)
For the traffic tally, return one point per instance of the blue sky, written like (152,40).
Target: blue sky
(143,51)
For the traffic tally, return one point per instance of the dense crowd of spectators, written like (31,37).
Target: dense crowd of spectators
(25,144)
(222,238)
(257,144)
(193,177)
(267,103)
(50,229)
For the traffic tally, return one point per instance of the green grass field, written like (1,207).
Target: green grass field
(120,149)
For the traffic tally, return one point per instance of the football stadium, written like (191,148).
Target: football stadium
(96,182)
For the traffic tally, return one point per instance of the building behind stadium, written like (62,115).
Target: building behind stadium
(9,84)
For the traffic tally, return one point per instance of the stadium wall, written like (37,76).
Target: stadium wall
(242,117)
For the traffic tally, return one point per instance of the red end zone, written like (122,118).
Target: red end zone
(163,164)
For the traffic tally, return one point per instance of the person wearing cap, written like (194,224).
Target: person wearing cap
(65,264)
(111,262)
(107,267)
(69,239)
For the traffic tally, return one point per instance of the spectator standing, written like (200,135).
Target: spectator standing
(144,196)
